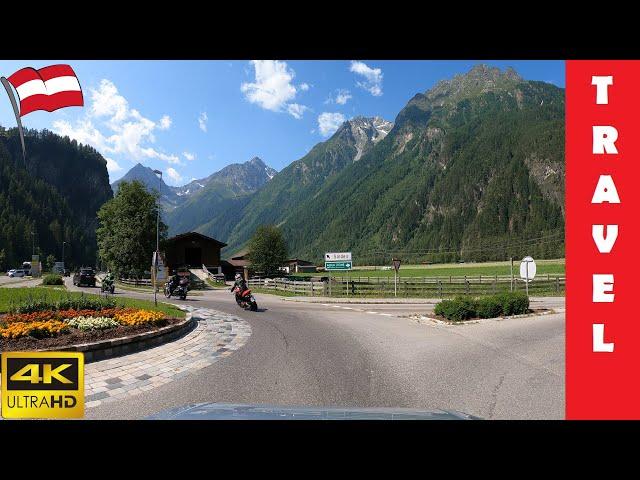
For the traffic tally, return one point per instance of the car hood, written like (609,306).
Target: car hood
(233,411)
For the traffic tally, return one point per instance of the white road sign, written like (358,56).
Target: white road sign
(337,257)
(527,269)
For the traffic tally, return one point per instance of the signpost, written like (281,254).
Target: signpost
(527,271)
(338,261)
(396,266)
(36,268)
(337,266)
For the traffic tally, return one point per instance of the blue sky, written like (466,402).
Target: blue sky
(192,118)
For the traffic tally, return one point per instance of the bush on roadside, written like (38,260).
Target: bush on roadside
(52,279)
(458,309)
(489,307)
(463,308)
(514,303)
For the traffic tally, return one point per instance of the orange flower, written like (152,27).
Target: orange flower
(137,317)
(50,328)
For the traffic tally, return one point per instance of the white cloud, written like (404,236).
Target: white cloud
(165,122)
(112,165)
(273,89)
(114,128)
(203,118)
(173,175)
(189,156)
(296,110)
(372,77)
(342,97)
(304,87)
(328,122)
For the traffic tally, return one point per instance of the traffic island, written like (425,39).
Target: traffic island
(440,320)
(103,344)
(42,320)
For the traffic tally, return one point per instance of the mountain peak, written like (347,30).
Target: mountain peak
(256,161)
(480,79)
(363,132)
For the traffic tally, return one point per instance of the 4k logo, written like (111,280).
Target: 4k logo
(42,385)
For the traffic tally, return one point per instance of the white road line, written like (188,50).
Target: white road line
(386,314)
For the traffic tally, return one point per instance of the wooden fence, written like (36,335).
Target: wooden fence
(295,287)
(425,287)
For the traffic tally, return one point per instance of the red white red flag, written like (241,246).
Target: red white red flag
(48,88)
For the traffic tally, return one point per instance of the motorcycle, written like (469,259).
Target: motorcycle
(245,299)
(180,291)
(107,285)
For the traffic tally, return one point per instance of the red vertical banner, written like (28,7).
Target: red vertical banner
(603,270)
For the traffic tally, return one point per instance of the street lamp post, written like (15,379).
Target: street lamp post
(33,243)
(155,260)
(63,244)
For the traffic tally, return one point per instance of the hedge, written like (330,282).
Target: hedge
(464,308)
(52,279)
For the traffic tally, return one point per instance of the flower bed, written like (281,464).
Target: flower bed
(33,328)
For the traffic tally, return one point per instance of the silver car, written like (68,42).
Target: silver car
(16,272)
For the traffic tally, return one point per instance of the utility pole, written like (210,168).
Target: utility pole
(155,258)
(33,243)
(63,244)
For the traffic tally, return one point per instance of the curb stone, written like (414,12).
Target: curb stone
(421,318)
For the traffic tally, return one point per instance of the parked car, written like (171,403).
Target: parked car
(85,276)
(16,272)
(67,272)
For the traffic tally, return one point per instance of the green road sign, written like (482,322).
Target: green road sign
(337,265)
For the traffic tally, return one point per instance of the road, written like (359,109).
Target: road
(353,355)
(12,282)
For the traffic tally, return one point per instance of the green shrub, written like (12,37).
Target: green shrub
(489,307)
(40,303)
(464,308)
(458,309)
(514,303)
(52,279)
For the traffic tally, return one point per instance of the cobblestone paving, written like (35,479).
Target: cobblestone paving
(216,336)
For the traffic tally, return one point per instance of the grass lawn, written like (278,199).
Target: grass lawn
(12,296)
(57,287)
(553,267)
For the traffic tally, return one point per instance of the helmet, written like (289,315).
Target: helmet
(238,276)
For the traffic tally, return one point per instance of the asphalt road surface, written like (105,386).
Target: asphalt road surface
(305,354)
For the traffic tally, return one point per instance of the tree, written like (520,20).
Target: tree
(127,230)
(267,250)
(2,260)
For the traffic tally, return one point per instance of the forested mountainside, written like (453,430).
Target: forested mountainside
(55,194)
(472,169)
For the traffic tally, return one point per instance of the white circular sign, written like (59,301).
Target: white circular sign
(527,269)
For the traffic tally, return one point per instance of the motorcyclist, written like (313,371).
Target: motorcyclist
(240,283)
(108,278)
(174,282)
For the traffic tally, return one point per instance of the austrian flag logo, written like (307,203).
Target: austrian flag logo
(49,88)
